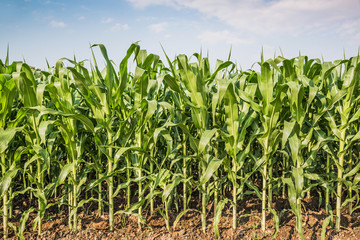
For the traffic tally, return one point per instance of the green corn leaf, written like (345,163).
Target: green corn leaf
(82,118)
(181,214)
(24,217)
(266,86)
(288,127)
(298,174)
(6,136)
(26,86)
(291,193)
(81,204)
(219,208)
(232,114)
(210,169)
(353,171)
(205,139)
(325,224)
(276,220)
(65,171)
(7,179)
(221,67)
(43,127)
(152,107)
(161,177)
(247,98)
(171,82)
(121,150)
(170,187)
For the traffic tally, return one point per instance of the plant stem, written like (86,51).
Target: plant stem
(350,189)
(203,197)
(139,171)
(263,205)
(100,204)
(151,173)
(128,189)
(70,207)
(203,212)
(140,191)
(283,175)
(75,198)
(234,194)
(5,199)
(39,200)
(111,185)
(111,203)
(298,217)
(6,216)
(327,192)
(270,185)
(167,215)
(339,184)
(10,203)
(185,175)
(216,191)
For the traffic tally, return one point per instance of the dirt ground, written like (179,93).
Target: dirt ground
(189,227)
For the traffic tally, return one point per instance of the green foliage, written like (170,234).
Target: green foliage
(72,131)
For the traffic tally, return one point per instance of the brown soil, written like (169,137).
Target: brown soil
(189,227)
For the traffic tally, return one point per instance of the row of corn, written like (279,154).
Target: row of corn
(178,130)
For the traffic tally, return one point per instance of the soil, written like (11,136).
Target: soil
(95,227)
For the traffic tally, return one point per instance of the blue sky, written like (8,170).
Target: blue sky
(52,29)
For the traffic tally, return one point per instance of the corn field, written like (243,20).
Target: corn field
(175,130)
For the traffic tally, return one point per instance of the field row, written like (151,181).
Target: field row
(178,129)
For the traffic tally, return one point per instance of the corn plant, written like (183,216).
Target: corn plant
(270,99)
(101,102)
(237,122)
(68,122)
(8,131)
(166,131)
(343,81)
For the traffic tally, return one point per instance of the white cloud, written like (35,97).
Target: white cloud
(158,27)
(290,17)
(350,28)
(81,18)
(107,20)
(119,26)
(54,3)
(214,37)
(145,3)
(56,24)
(125,26)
